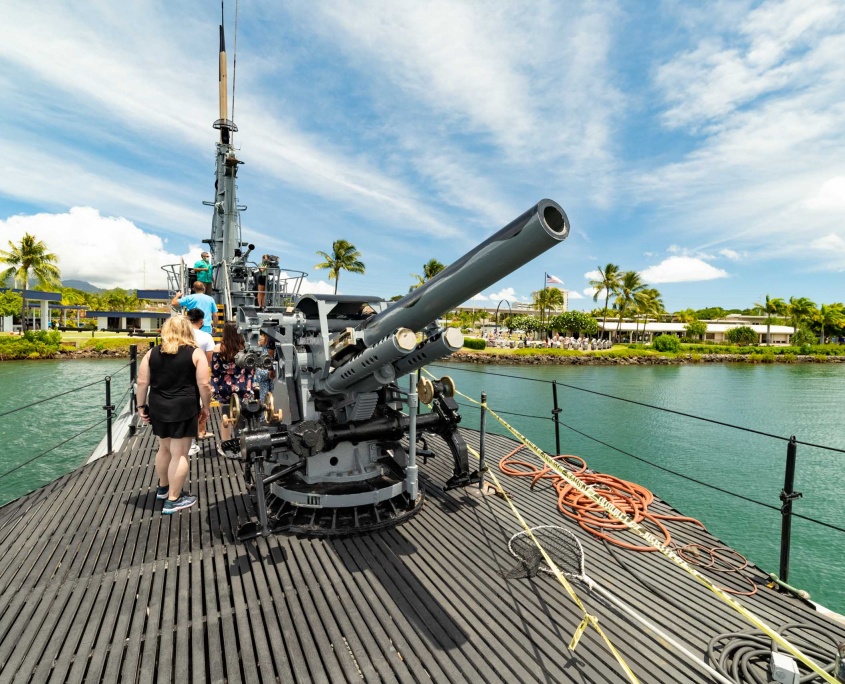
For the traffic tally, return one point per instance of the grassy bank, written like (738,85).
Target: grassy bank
(42,344)
(688,353)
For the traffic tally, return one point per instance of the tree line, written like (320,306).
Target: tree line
(631,297)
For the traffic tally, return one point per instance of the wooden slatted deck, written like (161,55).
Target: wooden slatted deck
(97,585)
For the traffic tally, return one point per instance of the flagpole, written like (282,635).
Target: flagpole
(543,304)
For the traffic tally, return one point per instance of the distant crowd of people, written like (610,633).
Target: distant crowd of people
(557,341)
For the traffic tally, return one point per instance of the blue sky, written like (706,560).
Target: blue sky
(701,144)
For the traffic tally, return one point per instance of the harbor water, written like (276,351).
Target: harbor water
(804,400)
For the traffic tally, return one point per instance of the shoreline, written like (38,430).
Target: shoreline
(537,359)
(591,359)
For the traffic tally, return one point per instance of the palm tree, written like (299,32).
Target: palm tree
(800,309)
(771,307)
(430,269)
(629,294)
(832,316)
(28,258)
(685,316)
(344,257)
(608,281)
(548,299)
(650,304)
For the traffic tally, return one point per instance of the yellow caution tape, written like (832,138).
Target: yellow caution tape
(588,619)
(644,534)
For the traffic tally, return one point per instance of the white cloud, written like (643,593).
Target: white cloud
(574,294)
(829,243)
(99,67)
(730,254)
(767,54)
(507,293)
(317,287)
(104,250)
(831,195)
(592,275)
(590,292)
(681,269)
(64,178)
(759,98)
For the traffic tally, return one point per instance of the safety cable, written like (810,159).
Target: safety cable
(508,413)
(62,394)
(21,465)
(648,537)
(665,469)
(41,401)
(652,406)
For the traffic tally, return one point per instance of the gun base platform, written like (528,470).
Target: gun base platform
(342,521)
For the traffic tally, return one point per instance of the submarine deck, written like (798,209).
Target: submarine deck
(97,585)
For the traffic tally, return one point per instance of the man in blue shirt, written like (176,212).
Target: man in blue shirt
(198,300)
(204,270)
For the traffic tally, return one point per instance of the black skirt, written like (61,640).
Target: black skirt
(177,430)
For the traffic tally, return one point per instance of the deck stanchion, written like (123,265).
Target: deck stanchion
(556,413)
(787,496)
(133,375)
(109,408)
(412,483)
(481,434)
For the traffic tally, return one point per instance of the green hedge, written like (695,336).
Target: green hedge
(666,343)
(474,343)
(34,344)
(803,350)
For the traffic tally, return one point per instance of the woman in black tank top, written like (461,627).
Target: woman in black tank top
(176,375)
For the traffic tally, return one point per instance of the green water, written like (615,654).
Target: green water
(29,433)
(805,400)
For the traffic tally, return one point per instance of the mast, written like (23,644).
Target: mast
(225,243)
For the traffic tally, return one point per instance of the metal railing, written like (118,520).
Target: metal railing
(787,496)
(127,398)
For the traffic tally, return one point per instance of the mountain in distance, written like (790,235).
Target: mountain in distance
(83,285)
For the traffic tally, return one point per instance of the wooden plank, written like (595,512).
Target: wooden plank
(112,637)
(371,664)
(93,626)
(287,616)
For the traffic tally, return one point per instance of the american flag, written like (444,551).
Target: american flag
(553,280)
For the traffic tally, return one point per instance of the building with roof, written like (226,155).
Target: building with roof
(716,330)
(39,303)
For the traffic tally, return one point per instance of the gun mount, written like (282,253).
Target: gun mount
(340,456)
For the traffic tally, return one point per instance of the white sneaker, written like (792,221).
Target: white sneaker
(194,450)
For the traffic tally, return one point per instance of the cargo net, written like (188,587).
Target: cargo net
(560,545)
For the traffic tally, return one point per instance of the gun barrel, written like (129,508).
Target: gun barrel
(443,344)
(526,237)
(388,350)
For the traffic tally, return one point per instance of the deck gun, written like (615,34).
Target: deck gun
(330,455)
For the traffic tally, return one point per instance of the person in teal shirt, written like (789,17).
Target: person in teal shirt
(204,270)
(198,300)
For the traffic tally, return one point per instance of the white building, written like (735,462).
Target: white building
(716,330)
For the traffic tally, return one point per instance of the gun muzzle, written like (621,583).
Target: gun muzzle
(537,230)
(439,346)
(384,352)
